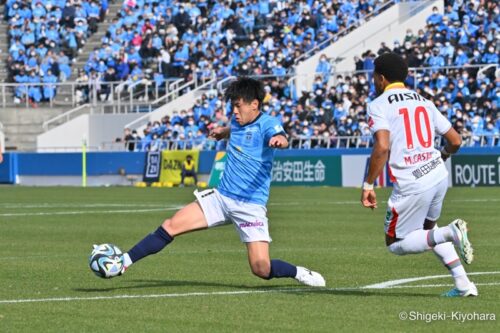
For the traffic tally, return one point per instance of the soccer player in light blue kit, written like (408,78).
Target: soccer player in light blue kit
(243,192)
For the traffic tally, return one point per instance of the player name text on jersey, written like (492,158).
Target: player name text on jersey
(420,157)
(400,97)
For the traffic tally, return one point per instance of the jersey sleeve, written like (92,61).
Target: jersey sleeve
(376,119)
(272,128)
(441,123)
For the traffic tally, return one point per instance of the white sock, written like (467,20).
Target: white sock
(126,260)
(414,242)
(448,256)
(440,235)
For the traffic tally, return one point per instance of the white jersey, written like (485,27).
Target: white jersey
(412,121)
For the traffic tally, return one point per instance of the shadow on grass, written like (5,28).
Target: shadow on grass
(364,293)
(142,284)
(291,289)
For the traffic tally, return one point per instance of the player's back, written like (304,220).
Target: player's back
(413,121)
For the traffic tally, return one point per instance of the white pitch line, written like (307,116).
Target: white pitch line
(250,292)
(354,202)
(80,212)
(392,283)
(441,285)
(89,205)
(216,293)
(94,205)
(313,203)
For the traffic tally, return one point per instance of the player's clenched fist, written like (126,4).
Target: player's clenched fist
(278,141)
(219,133)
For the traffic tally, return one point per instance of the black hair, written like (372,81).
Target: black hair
(247,89)
(392,66)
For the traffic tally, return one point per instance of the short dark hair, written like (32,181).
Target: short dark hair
(392,66)
(247,89)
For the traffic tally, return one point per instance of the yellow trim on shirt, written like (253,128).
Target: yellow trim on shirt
(395,85)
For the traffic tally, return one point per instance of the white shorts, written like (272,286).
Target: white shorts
(407,213)
(249,219)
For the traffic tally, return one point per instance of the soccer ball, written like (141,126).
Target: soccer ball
(106,261)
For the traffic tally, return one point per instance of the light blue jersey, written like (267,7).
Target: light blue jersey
(247,174)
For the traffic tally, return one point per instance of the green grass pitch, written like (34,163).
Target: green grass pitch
(202,282)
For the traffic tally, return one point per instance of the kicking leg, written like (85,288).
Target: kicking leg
(189,218)
(421,240)
(263,267)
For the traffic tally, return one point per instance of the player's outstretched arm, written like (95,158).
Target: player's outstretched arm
(379,157)
(278,141)
(220,133)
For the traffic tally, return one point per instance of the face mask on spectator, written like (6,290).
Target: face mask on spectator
(478,94)
(491,50)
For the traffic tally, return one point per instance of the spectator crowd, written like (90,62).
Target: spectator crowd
(161,40)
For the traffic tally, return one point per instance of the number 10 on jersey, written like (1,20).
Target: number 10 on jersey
(421,117)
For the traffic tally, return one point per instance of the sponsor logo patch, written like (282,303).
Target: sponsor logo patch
(251,224)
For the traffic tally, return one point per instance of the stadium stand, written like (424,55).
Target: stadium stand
(45,37)
(160,41)
(448,50)
(229,38)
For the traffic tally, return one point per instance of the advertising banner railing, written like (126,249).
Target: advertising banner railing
(476,170)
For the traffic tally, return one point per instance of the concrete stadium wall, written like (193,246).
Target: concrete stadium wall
(70,134)
(95,129)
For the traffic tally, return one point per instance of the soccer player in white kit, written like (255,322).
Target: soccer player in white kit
(404,124)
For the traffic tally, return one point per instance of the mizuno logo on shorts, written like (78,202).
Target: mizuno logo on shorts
(251,224)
